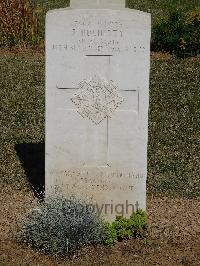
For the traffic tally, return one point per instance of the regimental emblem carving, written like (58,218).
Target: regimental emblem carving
(97,99)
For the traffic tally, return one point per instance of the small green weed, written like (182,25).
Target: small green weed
(147,242)
(124,228)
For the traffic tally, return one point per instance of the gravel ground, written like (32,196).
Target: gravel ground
(173,236)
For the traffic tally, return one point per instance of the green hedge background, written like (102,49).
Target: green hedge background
(175,23)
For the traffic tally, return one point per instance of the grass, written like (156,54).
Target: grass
(174,127)
(160,8)
(174,119)
(156,7)
(22,111)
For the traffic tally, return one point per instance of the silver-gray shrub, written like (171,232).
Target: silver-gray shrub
(61,225)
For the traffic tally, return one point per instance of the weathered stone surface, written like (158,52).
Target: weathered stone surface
(97,92)
(96,99)
(97,4)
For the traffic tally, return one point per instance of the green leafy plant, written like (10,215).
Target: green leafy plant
(124,228)
(111,234)
(139,221)
(179,34)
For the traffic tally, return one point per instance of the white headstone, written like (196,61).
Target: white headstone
(97,4)
(97,94)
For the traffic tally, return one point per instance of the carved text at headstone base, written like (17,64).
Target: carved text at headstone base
(102,182)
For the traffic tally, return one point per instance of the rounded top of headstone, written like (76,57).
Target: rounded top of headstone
(110,4)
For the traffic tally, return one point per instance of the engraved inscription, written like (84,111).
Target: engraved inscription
(103,180)
(101,175)
(97,99)
(89,35)
(101,187)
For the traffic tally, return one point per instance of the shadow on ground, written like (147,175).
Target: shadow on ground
(32,157)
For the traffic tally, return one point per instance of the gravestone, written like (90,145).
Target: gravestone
(97,93)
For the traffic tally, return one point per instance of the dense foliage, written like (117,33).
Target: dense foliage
(19,23)
(125,228)
(175,24)
(59,225)
(62,226)
(178,34)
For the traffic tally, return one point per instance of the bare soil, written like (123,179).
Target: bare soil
(174,236)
